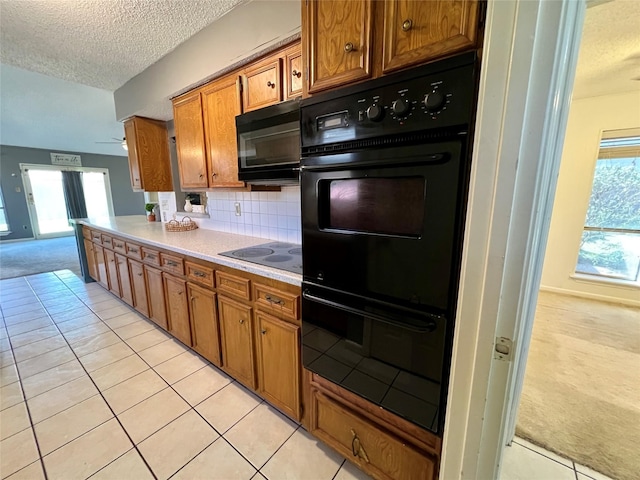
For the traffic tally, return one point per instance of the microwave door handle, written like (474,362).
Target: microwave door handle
(430,326)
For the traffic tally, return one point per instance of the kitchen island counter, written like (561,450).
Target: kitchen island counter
(200,243)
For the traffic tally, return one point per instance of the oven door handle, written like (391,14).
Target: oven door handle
(430,325)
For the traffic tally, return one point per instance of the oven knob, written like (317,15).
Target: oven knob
(433,101)
(374,113)
(400,107)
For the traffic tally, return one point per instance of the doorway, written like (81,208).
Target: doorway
(46,202)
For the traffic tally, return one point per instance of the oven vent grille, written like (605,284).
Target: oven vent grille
(388,141)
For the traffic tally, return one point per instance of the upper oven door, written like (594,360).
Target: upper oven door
(385,224)
(269,140)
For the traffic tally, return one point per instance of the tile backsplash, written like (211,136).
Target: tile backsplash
(270,215)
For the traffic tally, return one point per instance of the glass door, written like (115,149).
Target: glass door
(45,197)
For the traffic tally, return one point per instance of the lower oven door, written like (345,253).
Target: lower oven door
(390,356)
(386,223)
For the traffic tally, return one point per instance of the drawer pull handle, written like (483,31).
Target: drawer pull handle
(296,73)
(171,263)
(271,84)
(263,332)
(120,245)
(356,447)
(241,321)
(407,25)
(348,47)
(140,274)
(134,250)
(274,300)
(153,257)
(199,274)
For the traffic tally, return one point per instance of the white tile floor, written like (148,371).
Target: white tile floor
(89,388)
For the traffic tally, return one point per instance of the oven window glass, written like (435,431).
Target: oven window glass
(385,206)
(275,145)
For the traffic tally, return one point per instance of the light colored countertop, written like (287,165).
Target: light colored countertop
(200,243)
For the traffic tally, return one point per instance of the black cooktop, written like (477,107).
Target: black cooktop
(285,256)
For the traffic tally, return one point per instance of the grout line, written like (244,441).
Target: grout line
(339,468)
(575,470)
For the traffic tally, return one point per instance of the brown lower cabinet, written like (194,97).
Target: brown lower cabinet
(101,266)
(91,259)
(112,271)
(155,293)
(124,279)
(175,292)
(237,340)
(278,362)
(204,323)
(139,287)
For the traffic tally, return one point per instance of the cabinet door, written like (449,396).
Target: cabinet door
(204,323)
(134,165)
(139,288)
(175,291)
(339,42)
(222,103)
(91,259)
(262,84)
(416,32)
(155,292)
(190,146)
(293,72)
(101,266)
(237,340)
(148,149)
(123,278)
(112,271)
(279,363)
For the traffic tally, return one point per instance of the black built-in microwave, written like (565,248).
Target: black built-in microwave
(269,144)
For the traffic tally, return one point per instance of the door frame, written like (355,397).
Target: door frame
(33,216)
(524,98)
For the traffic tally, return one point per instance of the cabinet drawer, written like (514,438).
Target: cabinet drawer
(274,300)
(86,233)
(150,256)
(133,250)
(236,286)
(262,85)
(375,450)
(96,237)
(199,274)
(107,241)
(172,264)
(119,246)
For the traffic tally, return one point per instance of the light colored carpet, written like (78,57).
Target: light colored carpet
(18,259)
(581,396)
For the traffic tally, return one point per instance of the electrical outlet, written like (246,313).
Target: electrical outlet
(238,212)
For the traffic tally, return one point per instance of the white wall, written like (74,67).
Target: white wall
(588,117)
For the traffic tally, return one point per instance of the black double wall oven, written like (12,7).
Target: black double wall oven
(384,180)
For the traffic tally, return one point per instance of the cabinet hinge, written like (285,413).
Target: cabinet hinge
(502,349)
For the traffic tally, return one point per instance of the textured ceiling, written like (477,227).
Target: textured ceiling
(609,60)
(100,43)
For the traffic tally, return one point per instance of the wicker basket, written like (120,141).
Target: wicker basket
(184,225)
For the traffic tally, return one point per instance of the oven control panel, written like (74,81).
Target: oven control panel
(432,96)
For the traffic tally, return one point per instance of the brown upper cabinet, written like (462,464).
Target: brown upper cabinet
(352,40)
(205,118)
(148,148)
(292,77)
(262,84)
(221,101)
(338,38)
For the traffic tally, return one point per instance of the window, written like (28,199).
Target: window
(610,245)
(4,225)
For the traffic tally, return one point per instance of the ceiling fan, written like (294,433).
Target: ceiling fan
(122,142)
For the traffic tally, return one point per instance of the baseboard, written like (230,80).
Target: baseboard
(13,240)
(592,296)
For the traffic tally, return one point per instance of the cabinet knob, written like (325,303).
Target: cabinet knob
(271,84)
(201,175)
(264,332)
(241,321)
(213,175)
(348,47)
(296,73)
(407,24)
